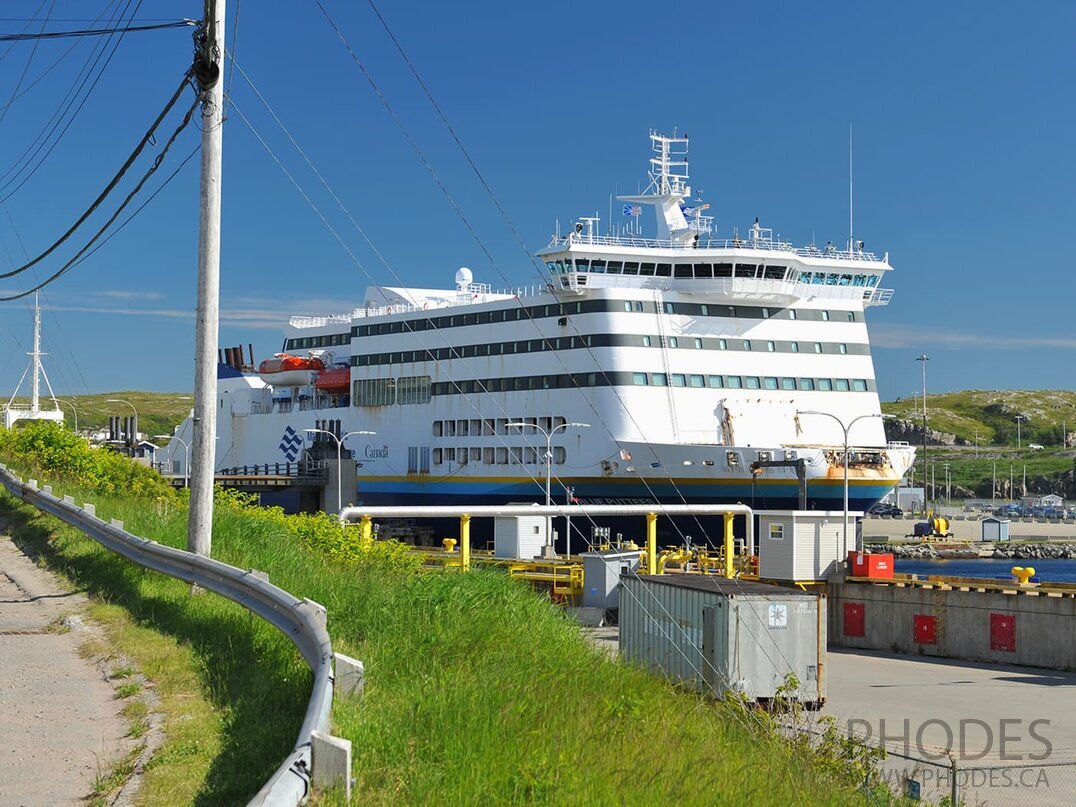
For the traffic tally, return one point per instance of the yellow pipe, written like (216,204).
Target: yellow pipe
(651,543)
(729,567)
(465,542)
(366,529)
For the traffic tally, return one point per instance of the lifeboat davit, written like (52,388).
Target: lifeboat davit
(334,379)
(285,370)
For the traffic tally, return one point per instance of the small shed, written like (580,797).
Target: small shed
(519,537)
(803,545)
(995,529)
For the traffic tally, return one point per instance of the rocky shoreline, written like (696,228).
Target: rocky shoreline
(1008,550)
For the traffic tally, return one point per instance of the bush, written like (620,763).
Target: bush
(45,448)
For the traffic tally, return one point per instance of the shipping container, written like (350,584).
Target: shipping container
(717,635)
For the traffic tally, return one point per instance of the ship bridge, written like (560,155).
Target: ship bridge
(685,256)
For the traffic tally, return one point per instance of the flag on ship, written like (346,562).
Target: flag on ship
(633,210)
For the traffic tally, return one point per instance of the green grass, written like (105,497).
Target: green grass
(478,690)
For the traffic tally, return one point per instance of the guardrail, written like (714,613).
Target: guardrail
(302,621)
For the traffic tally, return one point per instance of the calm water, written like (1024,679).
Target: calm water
(1057,571)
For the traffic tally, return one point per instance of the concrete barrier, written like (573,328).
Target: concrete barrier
(1036,630)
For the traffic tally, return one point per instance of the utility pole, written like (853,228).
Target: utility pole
(209,71)
(923,359)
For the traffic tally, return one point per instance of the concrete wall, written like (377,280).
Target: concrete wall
(1044,626)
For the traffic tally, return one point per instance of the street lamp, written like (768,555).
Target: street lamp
(339,459)
(73,409)
(923,359)
(548,464)
(186,454)
(845,429)
(1021,418)
(134,437)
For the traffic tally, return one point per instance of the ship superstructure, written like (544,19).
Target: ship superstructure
(694,361)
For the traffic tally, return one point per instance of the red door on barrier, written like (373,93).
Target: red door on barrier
(1003,632)
(925,629)
(855,619)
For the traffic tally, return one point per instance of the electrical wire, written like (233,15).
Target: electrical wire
(145,140)
(29,61)
(74,115)
(462,216)
(138,187)
(24,37)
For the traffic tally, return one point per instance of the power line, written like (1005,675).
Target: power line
(74,115)
(146,138)
(459,212)
(24,37)
(29,61)
(138,187)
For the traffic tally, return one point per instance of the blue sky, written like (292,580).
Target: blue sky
(964,165)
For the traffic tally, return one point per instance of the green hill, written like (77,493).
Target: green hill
(158,412)
(974,432)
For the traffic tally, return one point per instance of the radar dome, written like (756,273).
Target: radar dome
(464,276)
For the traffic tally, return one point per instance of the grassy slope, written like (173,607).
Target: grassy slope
(478,690)
(158,412)
(987,417)
(991,413)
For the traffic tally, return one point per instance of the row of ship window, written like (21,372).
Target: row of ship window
(504,455)
(707,271)
(397,325)
(487,427)
(604,340)
(420,389)
(749,382)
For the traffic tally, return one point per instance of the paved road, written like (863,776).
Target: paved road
(926,703)
(887,529)
(59,722)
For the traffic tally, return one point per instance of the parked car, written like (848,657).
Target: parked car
(1009,511)
(1036,446)
(885,509)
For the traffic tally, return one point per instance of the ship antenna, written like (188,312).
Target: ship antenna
(851,242)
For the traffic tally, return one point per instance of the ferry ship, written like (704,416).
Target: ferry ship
(675,369)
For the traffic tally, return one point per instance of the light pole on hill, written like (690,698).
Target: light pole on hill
(74,409)
(923,359)
(1020,418)
(845,429)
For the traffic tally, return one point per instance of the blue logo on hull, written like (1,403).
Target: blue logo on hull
(290,444)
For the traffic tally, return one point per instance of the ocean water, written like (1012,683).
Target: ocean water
(1054,570)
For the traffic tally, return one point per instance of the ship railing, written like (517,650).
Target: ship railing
(314,322)
(305,468)
(775,245)
(747,287)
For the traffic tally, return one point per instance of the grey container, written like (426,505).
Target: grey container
(717,635)
(601,576)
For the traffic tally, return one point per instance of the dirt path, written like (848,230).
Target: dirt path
(60,725)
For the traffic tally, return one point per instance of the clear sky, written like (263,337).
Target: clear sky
(963,126)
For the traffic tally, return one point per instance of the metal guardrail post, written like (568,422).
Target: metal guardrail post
(301,621)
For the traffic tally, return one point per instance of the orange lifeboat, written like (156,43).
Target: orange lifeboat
(285,370)
(334,379)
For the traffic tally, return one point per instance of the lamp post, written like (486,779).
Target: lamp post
(845,429)
(548,464)
(1021,418)
(74,409)
(134,437)
(339,459)
(186,455)
(923,359)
